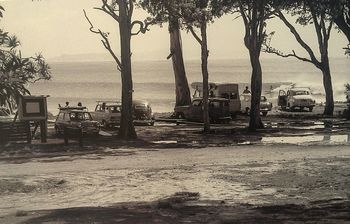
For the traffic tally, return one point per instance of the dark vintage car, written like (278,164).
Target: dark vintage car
(75,119)
(142,113)
(219,111)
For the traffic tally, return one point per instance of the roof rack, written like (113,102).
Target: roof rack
(108,101)
(72,108)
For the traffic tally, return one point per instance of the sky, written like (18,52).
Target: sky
(58,27)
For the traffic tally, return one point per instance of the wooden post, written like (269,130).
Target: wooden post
(29,133)
(80,136)
(43,131)
(65,134)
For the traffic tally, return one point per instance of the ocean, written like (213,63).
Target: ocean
(88,82)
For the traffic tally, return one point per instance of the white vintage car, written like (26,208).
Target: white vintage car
(265,105)
(296,98)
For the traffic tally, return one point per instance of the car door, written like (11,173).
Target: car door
(196,111)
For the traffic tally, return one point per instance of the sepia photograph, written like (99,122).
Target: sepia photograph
(174,111)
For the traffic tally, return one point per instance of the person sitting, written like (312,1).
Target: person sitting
(246,91)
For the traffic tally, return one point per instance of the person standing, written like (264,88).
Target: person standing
(246,91)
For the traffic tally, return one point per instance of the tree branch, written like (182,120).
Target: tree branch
(271,50)
(108,9)
(299,39)
(105,41)
(190,28)
(143,26)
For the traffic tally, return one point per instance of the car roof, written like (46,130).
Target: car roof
(78,111)
(109,103)
(300,89)
(140,102)
(212,99)
(72,108)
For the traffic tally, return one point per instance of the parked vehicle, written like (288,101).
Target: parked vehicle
(227,91)
(230,91)
(296,98)
(108,113)
(76,118)
(219,111)
(265,105)
(142,112)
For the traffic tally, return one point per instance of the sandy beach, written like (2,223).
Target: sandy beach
(293,171)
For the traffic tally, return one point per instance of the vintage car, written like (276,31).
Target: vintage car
(228,91)
(296,98)
(142,113)
(108,113)
(76,118)
(265,105)
(218,110)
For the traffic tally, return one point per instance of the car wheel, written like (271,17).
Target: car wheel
(264,114)
(151,123)
(104,124)
(311,108)
(57,131)
(247,110)
(283,108)
(291,109)
(180,116)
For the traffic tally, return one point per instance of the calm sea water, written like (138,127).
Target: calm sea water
(88,82)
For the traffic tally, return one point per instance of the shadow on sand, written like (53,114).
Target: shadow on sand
(184,207)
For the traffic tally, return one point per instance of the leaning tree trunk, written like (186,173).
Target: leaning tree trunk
(182,91)
(327,83)
(127,129)
(256,87)
(205,74)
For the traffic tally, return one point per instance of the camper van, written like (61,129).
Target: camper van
(227,91)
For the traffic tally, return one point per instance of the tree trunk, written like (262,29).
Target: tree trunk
(256,87)
(327,83)
(182,91)
(205,74)
(127,129)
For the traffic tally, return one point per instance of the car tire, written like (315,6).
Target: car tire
(310,109)
(264,114)
(180,116)
(104,124)
(57,131)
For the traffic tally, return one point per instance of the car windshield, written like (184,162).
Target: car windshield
(114,109)
(301,92)
(78,116)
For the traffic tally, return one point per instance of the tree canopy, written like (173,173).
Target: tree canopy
(16,71)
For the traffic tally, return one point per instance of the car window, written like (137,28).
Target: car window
(115,109)
(263,98)
(233,96)
(197,103)
(302,92)
(77,116)
(60,116)
(215,104)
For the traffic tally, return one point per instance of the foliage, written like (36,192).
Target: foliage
(347,87)
(17,71)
